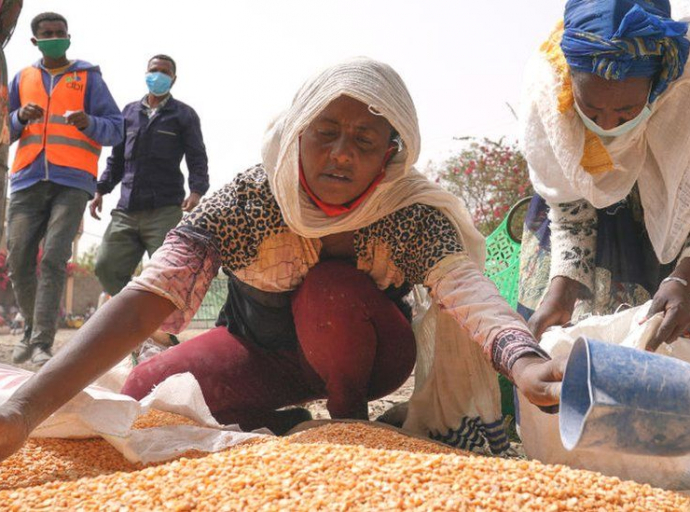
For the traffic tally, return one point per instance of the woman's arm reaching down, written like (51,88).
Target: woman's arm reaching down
(168,292)
(474,302)
(573,246)
(113,332)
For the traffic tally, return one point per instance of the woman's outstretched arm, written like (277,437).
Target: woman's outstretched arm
(113,332)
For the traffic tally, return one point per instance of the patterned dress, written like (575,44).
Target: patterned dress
(606,250)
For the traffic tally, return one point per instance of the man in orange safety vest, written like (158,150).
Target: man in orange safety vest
(62,113)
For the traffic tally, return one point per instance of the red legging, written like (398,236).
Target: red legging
(354,345)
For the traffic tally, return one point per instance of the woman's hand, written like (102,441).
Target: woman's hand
(557,306)
(14,431)
(539,380)
(673,299)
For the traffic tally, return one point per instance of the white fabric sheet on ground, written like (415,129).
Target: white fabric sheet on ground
(98,412)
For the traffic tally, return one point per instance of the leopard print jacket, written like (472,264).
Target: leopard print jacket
(244,223)
(240,229)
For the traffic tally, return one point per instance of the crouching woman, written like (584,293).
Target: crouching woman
(321,243)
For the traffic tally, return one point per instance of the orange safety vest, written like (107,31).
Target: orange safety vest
(63,143)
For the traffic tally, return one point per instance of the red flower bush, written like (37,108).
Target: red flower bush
(490,176)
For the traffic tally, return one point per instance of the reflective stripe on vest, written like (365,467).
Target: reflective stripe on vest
(64,144)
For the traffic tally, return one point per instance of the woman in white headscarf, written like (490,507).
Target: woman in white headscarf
(321,243)
(605,133)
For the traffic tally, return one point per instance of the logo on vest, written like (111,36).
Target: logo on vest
(73,82)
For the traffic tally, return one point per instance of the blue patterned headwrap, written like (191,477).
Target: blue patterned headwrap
(617,39)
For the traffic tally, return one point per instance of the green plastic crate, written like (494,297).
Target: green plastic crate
(502,264)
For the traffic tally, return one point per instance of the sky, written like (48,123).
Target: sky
(240,62)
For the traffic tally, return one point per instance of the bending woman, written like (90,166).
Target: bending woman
(605,133)
(321,243)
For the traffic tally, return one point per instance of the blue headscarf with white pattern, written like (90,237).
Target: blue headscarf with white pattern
(617,39)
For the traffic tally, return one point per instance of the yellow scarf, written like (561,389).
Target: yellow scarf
(595,158)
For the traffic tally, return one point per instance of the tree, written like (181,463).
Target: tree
(490,176)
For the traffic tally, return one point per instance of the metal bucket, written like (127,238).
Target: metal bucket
(625,400)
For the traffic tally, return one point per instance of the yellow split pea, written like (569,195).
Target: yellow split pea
(341,466)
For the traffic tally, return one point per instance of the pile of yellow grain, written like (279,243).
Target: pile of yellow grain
(46,460)
(360,434)
(154,418)
(301,473)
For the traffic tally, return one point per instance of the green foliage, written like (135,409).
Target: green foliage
(86,261)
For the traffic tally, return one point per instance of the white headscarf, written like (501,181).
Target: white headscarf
(377,85)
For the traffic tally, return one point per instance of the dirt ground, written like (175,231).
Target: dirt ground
(317,408)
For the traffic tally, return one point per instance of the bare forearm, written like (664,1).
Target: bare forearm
(565,291)
(123,323)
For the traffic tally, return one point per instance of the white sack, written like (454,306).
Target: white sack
(98,412)
(539,431)
(115,378)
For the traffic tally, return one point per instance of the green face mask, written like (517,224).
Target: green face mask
(53,48)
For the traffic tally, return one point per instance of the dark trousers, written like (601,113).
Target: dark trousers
(52,212)
(354,345)
(128,236)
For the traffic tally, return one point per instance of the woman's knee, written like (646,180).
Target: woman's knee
(144,377)
(333,302)
(347,327)
(148,374)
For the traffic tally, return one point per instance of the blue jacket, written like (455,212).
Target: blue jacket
(106,126)
(148,161)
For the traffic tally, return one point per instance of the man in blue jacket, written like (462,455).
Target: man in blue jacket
(62,113)
(159,131)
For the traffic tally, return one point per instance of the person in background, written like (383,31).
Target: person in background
(62,113)
(17,325)
(159,131)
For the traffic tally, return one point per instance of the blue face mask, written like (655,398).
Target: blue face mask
(159,84)
(618,130)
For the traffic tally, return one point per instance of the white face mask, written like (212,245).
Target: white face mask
(618,130)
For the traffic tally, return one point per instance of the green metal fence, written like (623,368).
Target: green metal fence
(214,301)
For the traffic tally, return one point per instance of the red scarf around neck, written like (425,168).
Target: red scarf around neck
(335,210)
